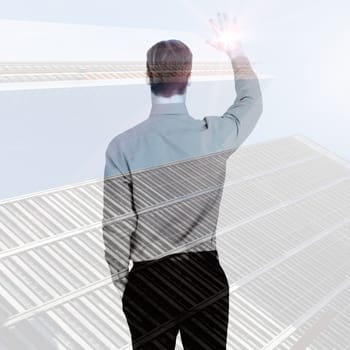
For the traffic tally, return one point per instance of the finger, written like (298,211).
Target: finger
(235,24)
(214,26)
(212,43)
(231,22)
(220,20)
(226,20)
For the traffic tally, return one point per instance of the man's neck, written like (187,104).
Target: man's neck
(173,99)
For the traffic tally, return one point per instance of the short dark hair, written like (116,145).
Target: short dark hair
(169,64)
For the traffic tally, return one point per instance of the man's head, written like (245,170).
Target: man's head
(169,65)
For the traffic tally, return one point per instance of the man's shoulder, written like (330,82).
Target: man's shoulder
(128,137)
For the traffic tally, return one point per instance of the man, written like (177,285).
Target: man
(162,190)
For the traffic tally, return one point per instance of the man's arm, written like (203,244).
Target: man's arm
(247,106)
(239,120)
(119,221)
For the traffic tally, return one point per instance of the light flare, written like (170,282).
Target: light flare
(228,38)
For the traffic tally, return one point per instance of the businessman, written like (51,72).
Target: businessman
(162,190)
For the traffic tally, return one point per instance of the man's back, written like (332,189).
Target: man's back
(177,175)
(174,166)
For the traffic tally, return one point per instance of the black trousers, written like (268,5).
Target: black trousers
(186,292)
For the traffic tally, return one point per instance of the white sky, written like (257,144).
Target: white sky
(304,45)
(30,41)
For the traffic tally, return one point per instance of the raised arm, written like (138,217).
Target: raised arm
(241,117)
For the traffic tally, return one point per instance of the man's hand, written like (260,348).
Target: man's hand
(120,283)
(227,36)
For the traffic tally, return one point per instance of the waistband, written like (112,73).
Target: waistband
(181,255)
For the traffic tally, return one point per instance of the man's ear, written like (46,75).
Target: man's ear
(189,81)
(148,81)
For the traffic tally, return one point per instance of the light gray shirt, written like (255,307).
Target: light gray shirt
(164,177)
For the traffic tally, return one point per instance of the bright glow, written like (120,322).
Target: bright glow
(227,38)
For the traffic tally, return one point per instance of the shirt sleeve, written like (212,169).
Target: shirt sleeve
(119,218)
(235,125)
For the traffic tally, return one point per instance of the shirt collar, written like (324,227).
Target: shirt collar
(168,109)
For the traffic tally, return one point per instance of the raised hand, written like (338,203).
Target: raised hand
(227,35)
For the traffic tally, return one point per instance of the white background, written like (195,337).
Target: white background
(57,137)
